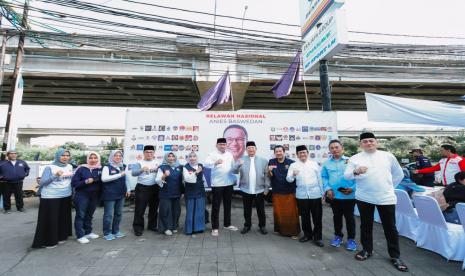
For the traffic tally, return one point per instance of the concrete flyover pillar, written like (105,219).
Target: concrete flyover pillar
(238,90)
(24,139)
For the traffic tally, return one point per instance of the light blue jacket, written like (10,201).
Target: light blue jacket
(332,174)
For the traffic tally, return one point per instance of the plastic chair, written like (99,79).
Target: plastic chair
(435,234)
(460,207)
(407,220)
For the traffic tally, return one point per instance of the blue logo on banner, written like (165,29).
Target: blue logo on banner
(167,148)
(140,147)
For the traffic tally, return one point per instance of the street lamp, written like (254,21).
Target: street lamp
(243,17)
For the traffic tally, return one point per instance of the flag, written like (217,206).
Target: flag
(218,94)
(283,87)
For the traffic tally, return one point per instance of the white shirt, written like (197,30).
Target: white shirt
(221,174)
(252,176)
(376,186)
(308,180)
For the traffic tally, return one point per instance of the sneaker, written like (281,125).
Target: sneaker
(6,211)
(22,210)
(119,235)
(215,232)
(337,241)
(92,236)
(351,245)
(50,247)
(232,228)
(62,242)
(109,237)
(175,231)
(83,240)
(168,232)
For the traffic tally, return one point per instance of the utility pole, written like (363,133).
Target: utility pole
(10,126)
(324,86)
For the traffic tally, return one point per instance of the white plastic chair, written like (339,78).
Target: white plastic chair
(460,207)
(406,217)
(435,234)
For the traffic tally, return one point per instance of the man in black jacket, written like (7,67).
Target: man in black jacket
(12,173)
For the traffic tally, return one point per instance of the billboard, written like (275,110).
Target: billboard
(183,131)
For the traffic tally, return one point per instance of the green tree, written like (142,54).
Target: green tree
(113,144)
(351,145)
(74,146)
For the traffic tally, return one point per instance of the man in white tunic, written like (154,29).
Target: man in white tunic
(376,173)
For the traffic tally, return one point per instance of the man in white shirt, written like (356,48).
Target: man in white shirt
(222,182)
(254,184)
(309,192)
(376,173)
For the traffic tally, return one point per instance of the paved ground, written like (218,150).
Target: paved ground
(229,254)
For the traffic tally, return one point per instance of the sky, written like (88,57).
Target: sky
(442,21)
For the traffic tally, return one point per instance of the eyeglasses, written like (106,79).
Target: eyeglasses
(237,140)
(150,152)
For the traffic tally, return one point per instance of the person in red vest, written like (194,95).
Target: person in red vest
(451,164)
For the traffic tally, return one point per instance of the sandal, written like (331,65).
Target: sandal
(399,264)
(363,255)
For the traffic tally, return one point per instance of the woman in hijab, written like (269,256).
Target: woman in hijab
(87,184)
(195,195)
(54,223)
(113,192)
(169,177)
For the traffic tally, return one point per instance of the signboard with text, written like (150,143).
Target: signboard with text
(184,131)
(325,39)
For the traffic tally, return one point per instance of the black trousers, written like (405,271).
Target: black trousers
(146,195)
(15,188)
(311,209)
(248,200)
(343,208)
(387,213)
(225,194)
(54,222)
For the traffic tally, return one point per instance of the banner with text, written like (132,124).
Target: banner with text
(182,131)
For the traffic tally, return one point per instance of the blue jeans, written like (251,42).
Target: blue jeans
(85,205)
(451,216)
(112,213)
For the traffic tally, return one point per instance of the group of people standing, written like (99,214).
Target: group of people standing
(158,186)
(299,187)
(366,179)
(86,186)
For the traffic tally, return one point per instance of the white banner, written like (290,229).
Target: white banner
(412,111)
(184,131)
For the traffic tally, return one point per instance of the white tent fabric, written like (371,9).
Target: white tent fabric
(461,211)
(406,217)
(382,108)
(435,234)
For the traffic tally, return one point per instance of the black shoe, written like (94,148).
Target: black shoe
(263,230)
(137,233)
(22,210)
(153,229)
(245,230)
(304,239)
(6,211)
(319,243)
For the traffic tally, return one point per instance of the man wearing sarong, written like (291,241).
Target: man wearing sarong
(286,215)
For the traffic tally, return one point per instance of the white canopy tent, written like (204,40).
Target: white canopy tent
(382,108)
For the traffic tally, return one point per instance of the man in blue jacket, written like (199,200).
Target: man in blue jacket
(12,173)
(341,192)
